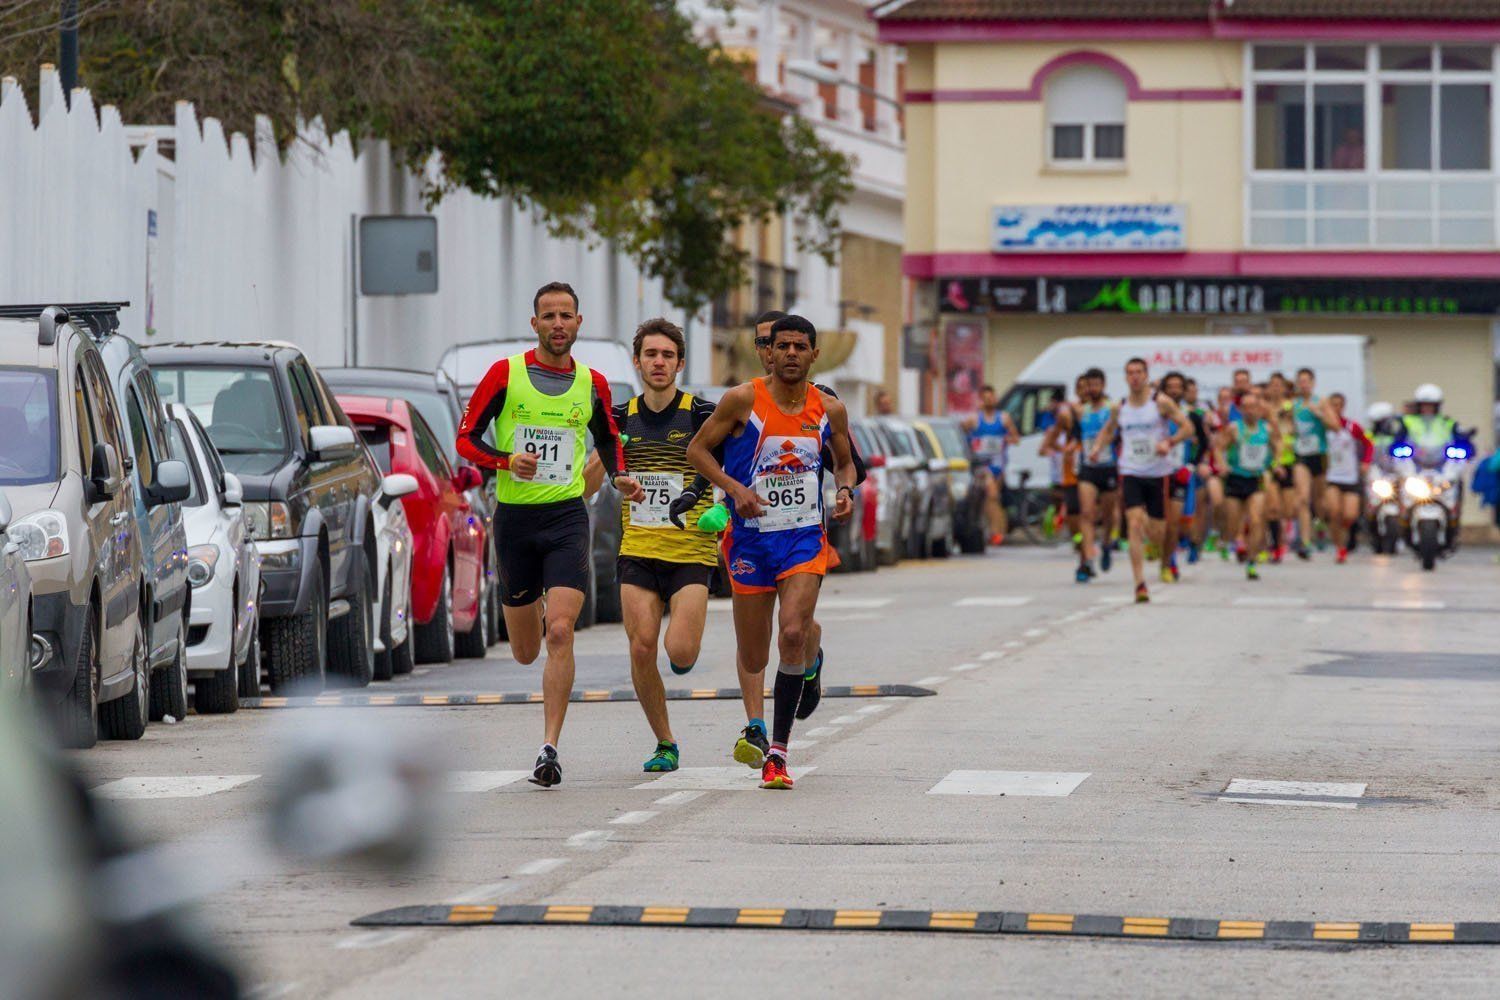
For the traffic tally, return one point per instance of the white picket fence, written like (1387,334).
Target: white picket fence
(227,240)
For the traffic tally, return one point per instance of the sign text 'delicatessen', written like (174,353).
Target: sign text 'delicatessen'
(1228,296)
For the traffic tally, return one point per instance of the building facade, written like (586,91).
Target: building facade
(821,59)
(1206,167)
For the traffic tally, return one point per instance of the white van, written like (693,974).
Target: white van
(1338,359)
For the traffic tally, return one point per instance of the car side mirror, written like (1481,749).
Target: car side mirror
(936,465)
(234,490)
(395,486)
(104,472)
(330,441)
(173,483)
(467,478)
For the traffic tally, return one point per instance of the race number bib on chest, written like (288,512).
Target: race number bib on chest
(661,489)
(791,501)
(989,444)
(1253,456)
(1142,449)
(1308,444)
(553,448)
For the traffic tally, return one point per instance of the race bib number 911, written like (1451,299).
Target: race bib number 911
(553,448)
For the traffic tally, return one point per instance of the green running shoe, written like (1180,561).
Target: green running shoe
(664,759)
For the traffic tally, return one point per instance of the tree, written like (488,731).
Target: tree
(604,114)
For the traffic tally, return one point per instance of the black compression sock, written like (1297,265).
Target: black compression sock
(787,693)
(1276,534)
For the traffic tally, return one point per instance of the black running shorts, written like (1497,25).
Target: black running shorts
(541,546)
(1355,488)
(662,577)
(1070,499)
(1149,492)
(1316,464)
(1241,487)
(1104,478)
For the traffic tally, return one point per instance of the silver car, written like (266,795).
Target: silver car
(891,478)
(17,652)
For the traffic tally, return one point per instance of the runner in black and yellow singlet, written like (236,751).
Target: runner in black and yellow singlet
(661,566)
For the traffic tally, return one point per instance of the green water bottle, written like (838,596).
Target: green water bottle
(714,520)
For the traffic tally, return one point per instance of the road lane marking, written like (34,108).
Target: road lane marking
(635,817)
(272,991)
(359,942)
(589,840)
(1034,633)
(1014,644)
(853,603)
(992,602)
(714,779)
(994,654)
(929,681)
(872,710)
(484,893)
(483,781)
(843,720)
(1270,602)
(964,668)
(186,786)
(1390,604)
(1317,619)
(678,798)
(853,616)
(1317,794)
(801,744)
(821,731)
(409,699)
(1051,784)
(541,866)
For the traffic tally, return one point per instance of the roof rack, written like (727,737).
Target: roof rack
(101,319)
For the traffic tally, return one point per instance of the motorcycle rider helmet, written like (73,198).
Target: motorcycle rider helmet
(1380,411)
(1428,393)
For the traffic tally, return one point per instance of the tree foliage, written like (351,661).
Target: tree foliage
(607,115)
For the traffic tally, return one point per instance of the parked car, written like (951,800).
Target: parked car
(892,489)
(440,401)
(223,640)
(62,465)
(468,363)
(968,489)
(308,487)
(162,480)
(16,644)
(930,512)
(449,536)
(393,548)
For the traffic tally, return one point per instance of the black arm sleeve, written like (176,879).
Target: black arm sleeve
(606,435)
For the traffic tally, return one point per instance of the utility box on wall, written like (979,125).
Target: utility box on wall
(398,255)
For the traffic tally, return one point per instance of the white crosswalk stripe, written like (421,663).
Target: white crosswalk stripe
(1051,784)
(716,779)
(985,601)
(1318,794)
(482,781)
(185,786)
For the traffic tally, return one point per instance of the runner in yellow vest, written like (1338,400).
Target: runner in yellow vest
(542,405)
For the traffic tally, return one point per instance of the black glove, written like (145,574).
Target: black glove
(684,503)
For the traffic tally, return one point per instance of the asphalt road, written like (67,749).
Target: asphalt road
(1132,744)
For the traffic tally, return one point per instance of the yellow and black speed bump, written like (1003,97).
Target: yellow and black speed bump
(409,699)
(957,921)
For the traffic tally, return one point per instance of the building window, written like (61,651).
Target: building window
(765,286)
(1086,117)
(788,289)
(1372,146)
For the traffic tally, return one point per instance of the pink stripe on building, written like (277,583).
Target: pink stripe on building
(1249,263)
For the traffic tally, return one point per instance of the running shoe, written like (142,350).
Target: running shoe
(1174,569)
(1278,555)
(1104,556)
(1193,552)
(548,771)
(664,759)
(997,539)
(1142,596)
(1166,574)
(812,688)
(1265,557)
(1342,556)
(1083,575)
(752,747)
(1302,552)
(773,773)
(1252,571)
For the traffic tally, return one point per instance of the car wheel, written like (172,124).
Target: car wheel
(297,644)
(385,658)
(435,639)
(401,658)
(169,684)
(220,694)
(78,715)
(249,672)
(473,644)
(125,717)
(351,639)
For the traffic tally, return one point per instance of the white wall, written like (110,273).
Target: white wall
(256,246)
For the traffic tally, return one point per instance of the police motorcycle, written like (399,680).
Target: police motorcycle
(1383,490)
(1431,454)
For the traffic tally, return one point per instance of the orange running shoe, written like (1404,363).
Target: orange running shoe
(773,773)
(997,539)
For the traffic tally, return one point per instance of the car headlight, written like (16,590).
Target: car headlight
(269,519)
(1383,489)
(1417,488)
(43,535)
(201,562)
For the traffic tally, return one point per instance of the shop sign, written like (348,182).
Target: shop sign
(1087,228)
(1228,296)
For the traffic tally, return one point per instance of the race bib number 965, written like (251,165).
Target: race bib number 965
(553,448)
(791,501)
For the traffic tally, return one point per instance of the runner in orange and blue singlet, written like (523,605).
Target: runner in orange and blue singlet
(772,431)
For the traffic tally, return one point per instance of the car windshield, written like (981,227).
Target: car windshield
(438,413)
(180,449)
(951,438)
(238,406)
(901,442)
(28,407)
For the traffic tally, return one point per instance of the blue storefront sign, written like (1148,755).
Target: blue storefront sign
(1087,228)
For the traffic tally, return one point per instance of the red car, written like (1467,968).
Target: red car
(449,538)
